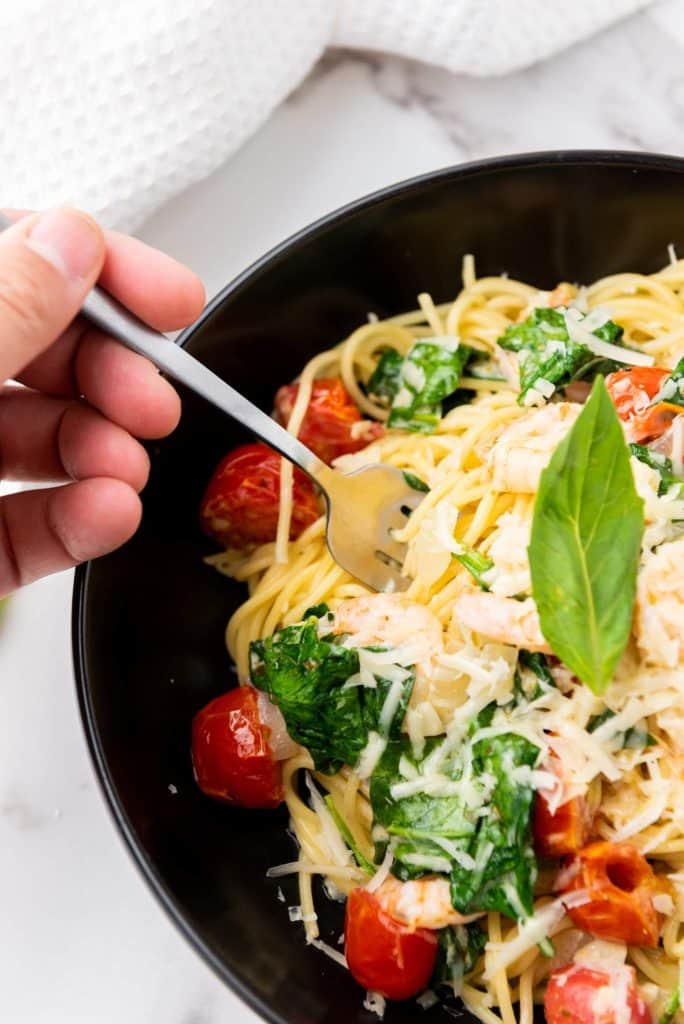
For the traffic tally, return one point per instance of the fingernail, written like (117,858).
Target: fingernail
(67,240)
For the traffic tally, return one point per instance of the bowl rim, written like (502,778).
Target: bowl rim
(235,980)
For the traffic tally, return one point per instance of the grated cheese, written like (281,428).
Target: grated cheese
(383,871)
(544,387)
(533,398)
(296,914)
(427,999)
(375,1003)
(390,705)
(414,375)
(337,848)
(371,754)
(500,955)
(580,331)
(334,954)
(430,863)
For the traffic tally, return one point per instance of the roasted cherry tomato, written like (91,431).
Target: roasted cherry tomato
(620,886)
(332,425)
(384,955)
(231,754)
(632,392)
(565,830)
(240,506)
(572,997)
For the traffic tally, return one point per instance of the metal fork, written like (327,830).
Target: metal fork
(363,508)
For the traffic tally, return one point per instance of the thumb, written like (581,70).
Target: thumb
(48,263)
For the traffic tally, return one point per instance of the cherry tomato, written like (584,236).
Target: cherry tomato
(563,831)
(566,829)
(572,997)
(240,506)
(632,392)
(620,886)
(231,755)
(332,425)
(384,955)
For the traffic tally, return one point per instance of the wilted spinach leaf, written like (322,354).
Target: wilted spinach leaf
(414,386)
(671,1008)
(476,563)
(459,950)
(386,378)
(546,351)
(532,676)
(415,482)
(474,817)
(304,674)
(662,464)
(672,388)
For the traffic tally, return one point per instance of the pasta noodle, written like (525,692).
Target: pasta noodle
(486,505)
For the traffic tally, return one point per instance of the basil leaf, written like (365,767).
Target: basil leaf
(585,542)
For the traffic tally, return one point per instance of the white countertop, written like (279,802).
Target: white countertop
(82,938)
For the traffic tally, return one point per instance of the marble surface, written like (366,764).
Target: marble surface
(82,938)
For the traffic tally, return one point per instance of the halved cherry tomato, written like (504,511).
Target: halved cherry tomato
(620,886)
(572,997)
(231,755)
(240,506)
(566,829)
(332,425)
(632,391)
(384,955)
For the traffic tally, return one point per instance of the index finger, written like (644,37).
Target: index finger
(161,291)
(154,286)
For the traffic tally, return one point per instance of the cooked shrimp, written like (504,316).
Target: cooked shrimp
(525,447)
(390,619)
(562,294)
(508,550)
(502,619)
(420,903)
(659,620)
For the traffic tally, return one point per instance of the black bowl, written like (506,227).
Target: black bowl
(149,619)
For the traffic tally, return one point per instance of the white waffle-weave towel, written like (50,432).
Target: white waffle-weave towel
(115,107)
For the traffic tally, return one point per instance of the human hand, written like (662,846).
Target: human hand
(86,398)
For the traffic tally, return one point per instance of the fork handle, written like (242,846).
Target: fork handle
(109,315)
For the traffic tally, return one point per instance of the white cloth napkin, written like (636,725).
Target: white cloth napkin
(115,107)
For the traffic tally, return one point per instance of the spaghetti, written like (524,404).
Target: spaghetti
(482,463)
